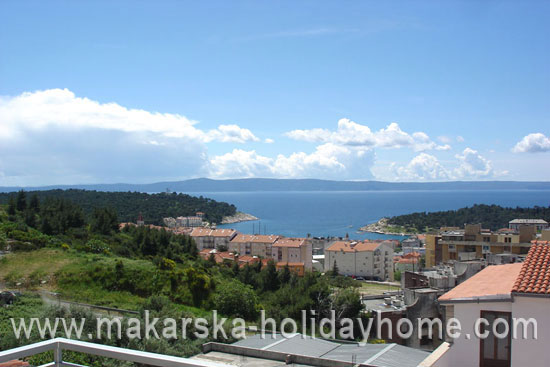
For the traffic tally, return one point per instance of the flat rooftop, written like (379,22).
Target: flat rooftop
(382,355)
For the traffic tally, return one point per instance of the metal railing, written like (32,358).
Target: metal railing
(58,345)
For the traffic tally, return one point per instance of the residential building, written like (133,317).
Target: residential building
(408,262)
(189,221)
(373,260)
(251,244)
(212,238)
(545,235)
(293,251)
(500,294)
(474,242)
(539,224)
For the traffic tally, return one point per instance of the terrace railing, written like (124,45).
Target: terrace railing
(59,345)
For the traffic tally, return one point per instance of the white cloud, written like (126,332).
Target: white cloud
(426,167)
(327,161)
(52,108)
(423,167)
(533,143)
(473,165)
(460,139)
(350,133)
(230,134)
(444,139)
(269,141)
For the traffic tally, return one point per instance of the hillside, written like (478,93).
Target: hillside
(128,205)
(490,216)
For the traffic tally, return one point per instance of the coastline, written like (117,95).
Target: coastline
(382,227)
(238,218)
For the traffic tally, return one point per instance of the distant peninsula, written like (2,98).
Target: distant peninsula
(205,185)
(490,216)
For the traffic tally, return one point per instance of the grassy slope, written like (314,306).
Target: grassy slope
(31,268)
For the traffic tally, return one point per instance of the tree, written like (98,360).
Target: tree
(104,221)
(335,270)
(21,201)
(34,204)
(270,279)
(11,206)
(235,299)
(285,275)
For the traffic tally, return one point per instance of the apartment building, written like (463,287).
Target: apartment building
(473,242)
(373,260)
(212,238)
(539,224)
(255,245)
(294,252)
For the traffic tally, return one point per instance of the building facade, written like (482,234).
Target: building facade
(212,238)
(255,245)
(293,251)
(373,260)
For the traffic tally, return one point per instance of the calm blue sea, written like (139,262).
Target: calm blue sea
(337,213)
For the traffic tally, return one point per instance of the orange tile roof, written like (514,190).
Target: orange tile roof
(251,238)
(283,264)
(14,364)
(207,232)
(534,276)
(408,261)
(412,254)
(353,246)
(290,242)
(496,280)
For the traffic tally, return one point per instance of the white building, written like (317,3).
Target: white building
(508,292)
(373,260)
(189,222)
(255,245)
(539,224)
(212,238)
(293,251)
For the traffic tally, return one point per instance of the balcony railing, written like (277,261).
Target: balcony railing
(58,345)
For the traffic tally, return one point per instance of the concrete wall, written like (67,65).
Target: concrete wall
(525,352)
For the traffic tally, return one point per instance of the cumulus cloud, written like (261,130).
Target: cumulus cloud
(51,108)
(468,165)
(473,165)
(533,143)
(423,167)
(52,136)
(328,161)
(350,133)
(269,141)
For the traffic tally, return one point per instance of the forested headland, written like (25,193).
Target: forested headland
(490,216)
(128,205)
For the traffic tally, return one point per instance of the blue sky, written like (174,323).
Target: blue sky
(116,91)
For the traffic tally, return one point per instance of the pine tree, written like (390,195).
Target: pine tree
(11,206)
(335,269)
(21,201)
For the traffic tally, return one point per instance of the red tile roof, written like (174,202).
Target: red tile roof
(207,232)
(353,246)
(251,238)
(496,280)
(534,276)
(290,242)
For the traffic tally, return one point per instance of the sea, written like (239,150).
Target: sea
(337,213)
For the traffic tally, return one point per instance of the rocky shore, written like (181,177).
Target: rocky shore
(383,227)
(239,217)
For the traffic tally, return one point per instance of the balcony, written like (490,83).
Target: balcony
(58,345)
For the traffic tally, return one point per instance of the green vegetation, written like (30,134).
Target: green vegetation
(128,205)
(490,216)
(375,289)
(55,246)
